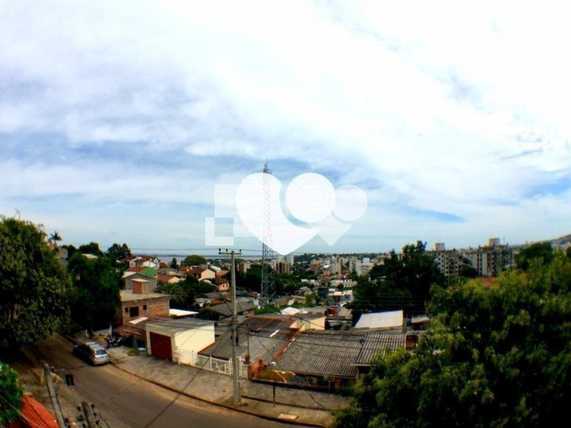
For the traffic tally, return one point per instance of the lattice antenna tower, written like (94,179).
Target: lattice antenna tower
(267,253)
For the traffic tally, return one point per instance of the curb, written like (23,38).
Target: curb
(299,406)
(214,403)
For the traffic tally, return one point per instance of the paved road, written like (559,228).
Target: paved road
(126,401)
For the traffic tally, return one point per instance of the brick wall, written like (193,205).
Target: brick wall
(155,307)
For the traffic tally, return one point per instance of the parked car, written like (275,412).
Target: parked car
(91,352)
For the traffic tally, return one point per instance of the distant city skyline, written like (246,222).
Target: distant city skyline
(117,119)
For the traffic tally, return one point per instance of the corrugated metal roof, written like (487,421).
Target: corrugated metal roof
(390,319)
(379,344)
(176,325)
(225,309)
(260,346)
(322,353)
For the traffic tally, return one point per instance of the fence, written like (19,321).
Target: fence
(219,365)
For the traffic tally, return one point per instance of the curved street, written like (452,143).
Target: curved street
(126,401)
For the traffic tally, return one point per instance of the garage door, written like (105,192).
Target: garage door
(161,346)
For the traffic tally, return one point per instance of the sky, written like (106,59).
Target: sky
(117,119)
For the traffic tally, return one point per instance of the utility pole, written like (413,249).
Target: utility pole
(235,359)
(53,396)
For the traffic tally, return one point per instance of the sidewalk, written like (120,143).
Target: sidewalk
(309,407)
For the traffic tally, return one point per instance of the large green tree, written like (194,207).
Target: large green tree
(185,292)
(252,278)
(403,281)
(542,251)
(95,296)
(118,252)
(193,260)
(91,248)
(495,356)
(33,285)
(10,394)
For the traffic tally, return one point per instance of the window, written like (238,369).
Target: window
(144,307)
(134,311)
(126,309)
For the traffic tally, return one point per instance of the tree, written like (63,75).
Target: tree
(71,250)
(174,263)
(467,270)
(285,283)
(494,356)
(91,248)
(251,279)
(33,285)
(95,295)
(184,293)
(541,251)
(193,260)
(402,282)
(118,252)
(10,395)
(55,238)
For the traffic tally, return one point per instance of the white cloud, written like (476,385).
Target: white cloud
(452,107)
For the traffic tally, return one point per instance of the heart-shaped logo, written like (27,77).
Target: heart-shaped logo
(260,210)
(310,198)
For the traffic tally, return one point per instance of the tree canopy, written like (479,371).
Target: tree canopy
(402,282)
(33,285)
(118,252)
(494,356)
(193,260)
(251,279)
(91,248)
(185,292)
(95,295)
(541,250)
(10,395)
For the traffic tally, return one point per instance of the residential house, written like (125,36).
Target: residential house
(136,304)
(339,318)
(143,262)
(145,275)
(224,310)
(208,274)
(193,271)
(329,360)
(169,279)
(390,320)
(178,340)
(261,340)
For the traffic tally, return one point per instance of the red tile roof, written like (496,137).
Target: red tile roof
(34,415)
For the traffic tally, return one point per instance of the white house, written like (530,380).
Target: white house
(179,340)
(208,274)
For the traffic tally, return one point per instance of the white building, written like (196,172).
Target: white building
(390,320)
(179,340)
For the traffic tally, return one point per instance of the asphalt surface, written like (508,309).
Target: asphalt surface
(126,401)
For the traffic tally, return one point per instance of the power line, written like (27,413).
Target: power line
(177,396)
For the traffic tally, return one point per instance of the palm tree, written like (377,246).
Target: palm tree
(54,238)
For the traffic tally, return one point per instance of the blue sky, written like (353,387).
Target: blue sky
(118,118)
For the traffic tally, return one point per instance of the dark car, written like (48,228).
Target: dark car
(91,352)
